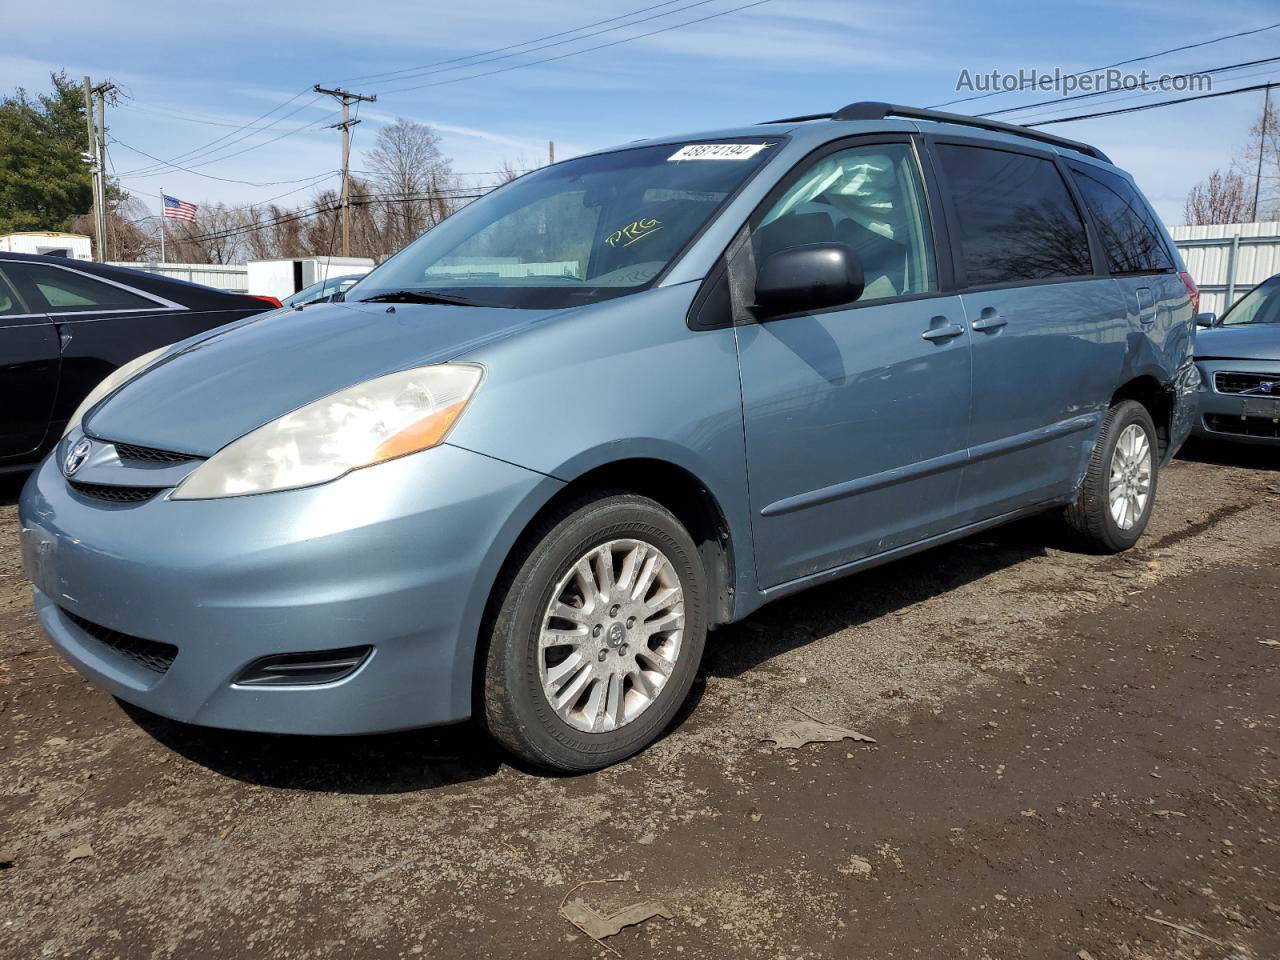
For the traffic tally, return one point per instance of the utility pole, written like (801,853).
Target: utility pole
(96,156)
(101,90)
(346,97)
(1262,149)
(92,156)
(551,152)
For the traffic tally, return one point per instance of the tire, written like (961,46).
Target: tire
(1092,514)
(536,702)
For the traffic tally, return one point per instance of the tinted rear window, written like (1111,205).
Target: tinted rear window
(1017,221)
(67,291)
(1129,231)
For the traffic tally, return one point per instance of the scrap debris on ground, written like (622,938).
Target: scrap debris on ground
(792,734)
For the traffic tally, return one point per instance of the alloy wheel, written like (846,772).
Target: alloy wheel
(611,635)
(1129,486)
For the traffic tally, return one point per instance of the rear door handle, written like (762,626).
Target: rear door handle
(989,319)
(942,330)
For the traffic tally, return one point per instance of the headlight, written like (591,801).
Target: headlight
(113,380)
(366,424)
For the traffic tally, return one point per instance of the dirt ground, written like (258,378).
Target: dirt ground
(1076,757)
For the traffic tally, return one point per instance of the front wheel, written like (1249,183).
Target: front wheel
(597,636)
(1114,504)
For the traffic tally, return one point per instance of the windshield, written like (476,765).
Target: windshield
(1259,305)
(580,231)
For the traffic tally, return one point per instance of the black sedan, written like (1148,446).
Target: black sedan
(66,324)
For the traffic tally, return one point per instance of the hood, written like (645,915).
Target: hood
(229,382)
(1246,342)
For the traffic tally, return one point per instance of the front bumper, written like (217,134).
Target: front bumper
(1232,416)
(399,557)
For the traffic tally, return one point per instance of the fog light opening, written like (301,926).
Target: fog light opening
(303,669)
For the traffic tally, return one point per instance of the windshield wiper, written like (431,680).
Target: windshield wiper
(417,296)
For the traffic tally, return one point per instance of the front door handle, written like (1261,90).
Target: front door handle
(989,319)
(942,330)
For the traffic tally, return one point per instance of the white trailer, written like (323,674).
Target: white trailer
(282,278)
(73,246)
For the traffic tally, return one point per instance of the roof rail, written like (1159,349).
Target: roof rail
(874,110)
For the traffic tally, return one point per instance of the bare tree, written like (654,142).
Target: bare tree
(1264,138)
(130,236)
(1219,199)
(508,171)
(407,170)
(217,236)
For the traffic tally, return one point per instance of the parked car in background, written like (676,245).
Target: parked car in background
(1239,359)
(66,324)
(628,397)
(323,290)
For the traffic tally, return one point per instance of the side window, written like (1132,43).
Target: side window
(1129,231)
(870,199)
(1017,221)
(66,291)
(9,302)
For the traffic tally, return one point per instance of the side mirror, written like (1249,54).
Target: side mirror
(807,277)
(1206,319)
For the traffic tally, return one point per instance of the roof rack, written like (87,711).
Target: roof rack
(874,110)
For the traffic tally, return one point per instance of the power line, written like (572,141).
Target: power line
(230,139)
(430,69)
(210,176)
(187,118)
(1130,89)
(1052,113)
(1121,63)
(576,53)
(207,148)
(512,46)
(1155,106)
(161,165)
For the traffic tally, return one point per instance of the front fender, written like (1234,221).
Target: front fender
(625,379)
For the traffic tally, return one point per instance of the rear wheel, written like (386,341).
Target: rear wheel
(597,636)
(1114,504)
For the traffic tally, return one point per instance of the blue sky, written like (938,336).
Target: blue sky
(194,72)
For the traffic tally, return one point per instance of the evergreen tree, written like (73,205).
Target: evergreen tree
(44,179)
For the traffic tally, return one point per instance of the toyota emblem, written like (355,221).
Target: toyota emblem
(77,456)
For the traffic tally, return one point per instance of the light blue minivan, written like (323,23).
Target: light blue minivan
(623,400)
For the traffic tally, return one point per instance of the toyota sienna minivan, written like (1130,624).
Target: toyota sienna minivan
(533,458)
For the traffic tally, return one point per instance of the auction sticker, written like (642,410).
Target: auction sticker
(717,151)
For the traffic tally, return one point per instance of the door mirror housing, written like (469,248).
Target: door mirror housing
(1206,319)
(808,277)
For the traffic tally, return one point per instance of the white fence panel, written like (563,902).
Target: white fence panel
(233,277)
(1227,259)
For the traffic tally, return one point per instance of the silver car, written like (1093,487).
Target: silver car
(1239,359)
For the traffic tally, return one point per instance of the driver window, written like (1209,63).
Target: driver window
(870,199)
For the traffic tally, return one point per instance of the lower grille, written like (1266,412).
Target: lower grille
(1264,427)
(130,452)
(156,657)
(102,491)
(1228,381)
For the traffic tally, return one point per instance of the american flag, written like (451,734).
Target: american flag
(175,209)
